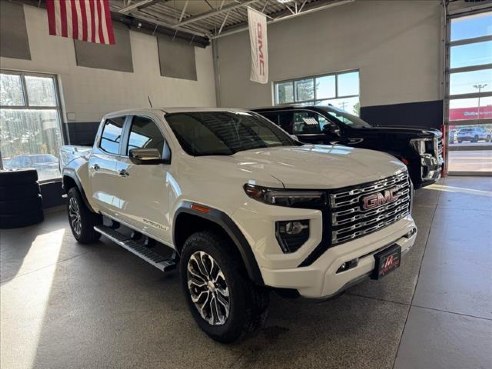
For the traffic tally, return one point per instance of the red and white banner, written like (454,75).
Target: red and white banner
(471,113)
(259,46)
(86,20)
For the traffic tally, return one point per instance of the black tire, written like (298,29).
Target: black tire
(17,177)
(248,302)
(18,192)
(21,220)
(21,206)
(84,231)
(459,142)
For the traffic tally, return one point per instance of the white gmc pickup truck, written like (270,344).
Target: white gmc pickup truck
(241,206)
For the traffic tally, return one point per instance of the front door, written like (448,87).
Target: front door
(145,189)
(103,161)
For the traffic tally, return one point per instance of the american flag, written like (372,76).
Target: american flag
(86,20)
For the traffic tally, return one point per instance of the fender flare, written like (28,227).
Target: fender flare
(227,224)
(70,173)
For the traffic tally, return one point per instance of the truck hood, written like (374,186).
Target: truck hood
(410,132)
(310,166)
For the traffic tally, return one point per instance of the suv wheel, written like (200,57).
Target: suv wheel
(223,301)
(81,219)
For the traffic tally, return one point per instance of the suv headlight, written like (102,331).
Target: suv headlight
(289,198)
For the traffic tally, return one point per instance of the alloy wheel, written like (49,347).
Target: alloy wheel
(208,288)
(74,215)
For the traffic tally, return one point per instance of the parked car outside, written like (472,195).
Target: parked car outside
(47,165)
(453,136)
(473,134)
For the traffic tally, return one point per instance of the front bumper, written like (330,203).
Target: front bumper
(321,279)
(431,168)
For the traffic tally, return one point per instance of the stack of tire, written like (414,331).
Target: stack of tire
(20,199)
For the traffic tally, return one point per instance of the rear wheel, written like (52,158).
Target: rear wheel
(223,301)
(81,219)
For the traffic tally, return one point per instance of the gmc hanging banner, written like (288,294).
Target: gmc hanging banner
(259,47)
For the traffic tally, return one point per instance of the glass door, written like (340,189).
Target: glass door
(469,101)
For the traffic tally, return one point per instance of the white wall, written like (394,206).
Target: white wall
(90,93)
(395,44)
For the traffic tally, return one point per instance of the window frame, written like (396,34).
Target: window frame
(315,98)
(58,106)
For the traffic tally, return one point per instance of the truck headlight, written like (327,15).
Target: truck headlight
(289,198)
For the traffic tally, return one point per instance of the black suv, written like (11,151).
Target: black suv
(419,148)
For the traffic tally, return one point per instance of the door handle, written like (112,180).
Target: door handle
(96,167)
(124,173)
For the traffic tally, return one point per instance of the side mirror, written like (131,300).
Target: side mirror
(294,137)
(147,157)
(331,130)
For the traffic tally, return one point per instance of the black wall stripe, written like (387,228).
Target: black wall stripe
(417,114)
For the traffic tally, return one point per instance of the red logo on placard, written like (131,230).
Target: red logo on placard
(389,262)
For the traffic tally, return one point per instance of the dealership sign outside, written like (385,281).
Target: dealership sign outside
(259,47)
(470,113)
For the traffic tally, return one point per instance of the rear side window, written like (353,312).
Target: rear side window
(111,135)
(144,134)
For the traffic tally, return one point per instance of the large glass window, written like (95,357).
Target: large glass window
(30,123)
(338,89)
(469,99)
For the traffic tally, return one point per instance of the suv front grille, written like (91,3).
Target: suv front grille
(390,202)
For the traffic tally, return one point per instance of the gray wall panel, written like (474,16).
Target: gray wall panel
(113,57)
(14,42)
(176,59)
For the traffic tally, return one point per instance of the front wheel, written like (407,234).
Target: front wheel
(81,219)
(223,301)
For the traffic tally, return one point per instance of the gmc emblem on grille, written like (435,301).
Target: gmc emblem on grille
(381,198)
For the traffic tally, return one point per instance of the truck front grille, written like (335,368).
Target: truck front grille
(387,201)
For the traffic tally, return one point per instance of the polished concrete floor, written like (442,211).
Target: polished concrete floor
(65,305)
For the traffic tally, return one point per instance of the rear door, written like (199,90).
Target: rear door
(103,165)
(145,189)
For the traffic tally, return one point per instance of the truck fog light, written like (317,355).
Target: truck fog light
(348,265)
(291,235)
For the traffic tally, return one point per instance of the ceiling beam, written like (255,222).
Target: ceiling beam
(138,5)
(241,28)
(215,12)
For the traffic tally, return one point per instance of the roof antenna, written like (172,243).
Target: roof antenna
(150,102)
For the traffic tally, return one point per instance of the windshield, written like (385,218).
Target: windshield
(346,118)
(225,133)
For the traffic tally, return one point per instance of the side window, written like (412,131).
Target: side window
(306,122)
(111,135)
(144,134)
(271,116)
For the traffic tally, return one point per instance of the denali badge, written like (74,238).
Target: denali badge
(377,199)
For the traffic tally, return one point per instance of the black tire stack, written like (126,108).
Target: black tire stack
(20,199)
